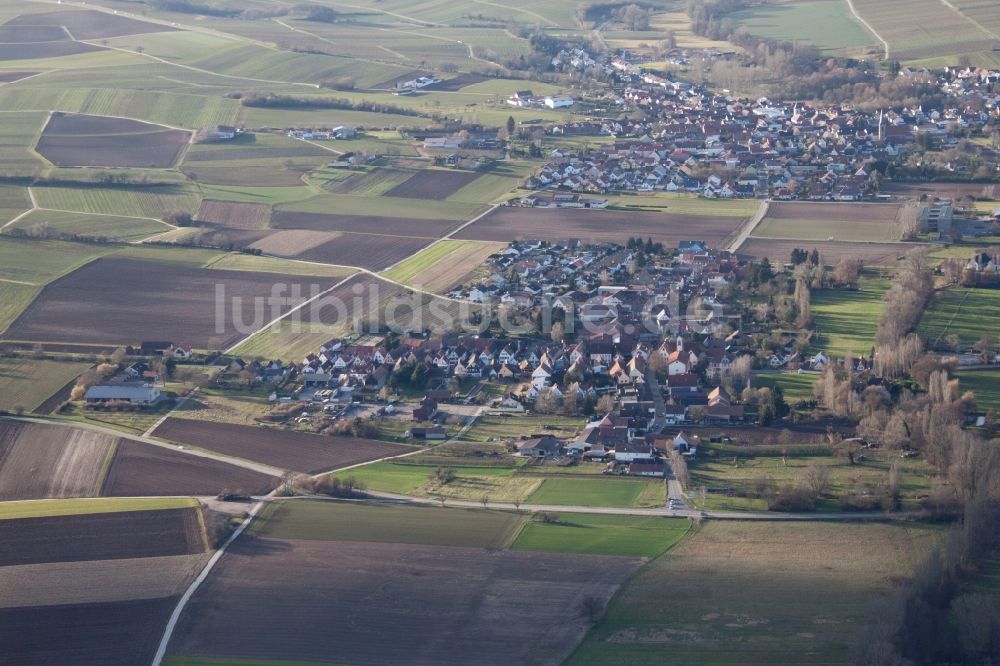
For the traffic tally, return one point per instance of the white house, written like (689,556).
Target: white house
(558,102)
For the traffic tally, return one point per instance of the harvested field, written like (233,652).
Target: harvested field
(11,34)
(292,242)
(392,226)
(143,470)
(945,190)
(40,461)
(873,254)
(234,215)
(98,304)
(595,226)
(434,184)
(299,451)
(82,140)
(90,24)
(838,221)
(441,605)
(97,581)
(122,633)
(101,536)
(372,251)
(40,50)
(457,83)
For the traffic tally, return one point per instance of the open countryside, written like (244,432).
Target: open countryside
(574,332)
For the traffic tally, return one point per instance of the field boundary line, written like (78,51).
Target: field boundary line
(862,21)
(168,632)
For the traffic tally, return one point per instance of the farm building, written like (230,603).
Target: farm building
(656,468)
(133,394)
(540,447)
(436,432)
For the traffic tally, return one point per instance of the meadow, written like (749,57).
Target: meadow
(594,534)
(985,384)
(968,313)
(325,521)
(27,383)
(794,386)
(756,593)
(845,321)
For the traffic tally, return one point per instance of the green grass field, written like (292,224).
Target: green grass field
(985,384)
(247,262)
(28,383)
(756,593)
(739,473)
(967,313)
(405,270)
(14,298)
(499,428)
(85,224)
(81,506)
(585,491)
(18,132)
(594,534)
(813,229)
(151,202)
(431,525)
(38,262)
(795,386)
(846,320)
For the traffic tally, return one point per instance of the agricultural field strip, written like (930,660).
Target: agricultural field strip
(34,206)
(97,581)
(842,516)
(198,453)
